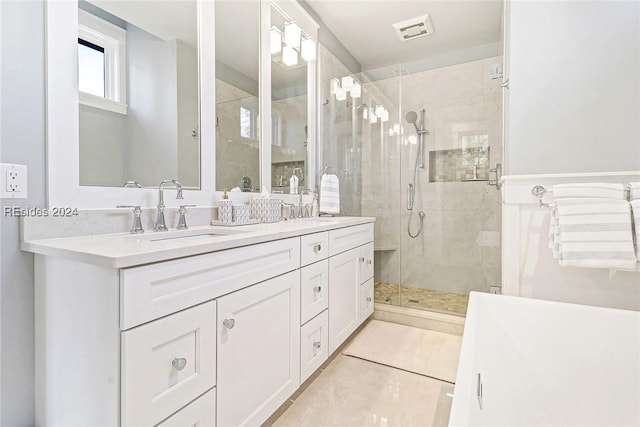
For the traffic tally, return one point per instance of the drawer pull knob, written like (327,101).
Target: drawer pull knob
(361,259)
(369,262)
(318,289)
(316,345)
(368,299)
(229,323)
(179,363)
(317,248)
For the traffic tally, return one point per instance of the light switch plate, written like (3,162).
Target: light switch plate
(13,181)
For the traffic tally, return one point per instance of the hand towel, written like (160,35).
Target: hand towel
(634,191)
(595,233)
(592,189)
(329,194)
(635,209)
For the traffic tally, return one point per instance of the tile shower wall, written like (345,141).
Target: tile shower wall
(459,248)
(240,152)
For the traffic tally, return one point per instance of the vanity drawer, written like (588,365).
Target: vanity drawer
(366,300)
(152,291)
(200,413)
(314,247)
(167,363)
(314,344)
(343,239)
(314,289)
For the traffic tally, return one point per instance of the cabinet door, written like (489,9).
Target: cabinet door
(313,345)
(366,300)
(344,288)
(258,350)
(366,262)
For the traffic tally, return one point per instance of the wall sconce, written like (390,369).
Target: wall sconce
(289,56)
(347,84)
(308,50)
(276,40)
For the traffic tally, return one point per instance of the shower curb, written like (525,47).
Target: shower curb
(439,322)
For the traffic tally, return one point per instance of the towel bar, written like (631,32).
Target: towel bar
(539,191)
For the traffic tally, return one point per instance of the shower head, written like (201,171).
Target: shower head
(412,117)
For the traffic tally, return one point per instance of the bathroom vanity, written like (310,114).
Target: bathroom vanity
(208,326)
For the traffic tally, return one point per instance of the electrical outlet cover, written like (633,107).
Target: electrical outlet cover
(13,183)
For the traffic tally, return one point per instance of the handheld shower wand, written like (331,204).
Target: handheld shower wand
(412,117)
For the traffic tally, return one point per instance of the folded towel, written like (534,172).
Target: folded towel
(594,233)
(329,194)
(635,209)
(592,189)
(635,191)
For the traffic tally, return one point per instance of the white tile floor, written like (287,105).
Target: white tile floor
(355,392)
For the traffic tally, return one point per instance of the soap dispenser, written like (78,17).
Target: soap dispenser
(294,183)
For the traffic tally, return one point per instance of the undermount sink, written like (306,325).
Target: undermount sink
(185,235)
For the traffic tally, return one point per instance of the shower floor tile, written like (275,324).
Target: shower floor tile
(428,299)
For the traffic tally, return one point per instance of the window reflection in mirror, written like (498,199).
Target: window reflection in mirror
(237,74)
(143,125)
(289,126)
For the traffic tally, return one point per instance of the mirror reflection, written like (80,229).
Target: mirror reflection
(237,103)
(289,125)
(139,93)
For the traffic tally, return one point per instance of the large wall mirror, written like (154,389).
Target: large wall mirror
(237,102)
(138,92)
(293,49)
(125,98)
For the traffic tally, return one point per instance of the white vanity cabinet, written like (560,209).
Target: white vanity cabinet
(219,338)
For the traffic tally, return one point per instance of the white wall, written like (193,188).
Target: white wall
(23,142)
(574,97)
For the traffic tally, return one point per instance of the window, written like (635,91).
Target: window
(90,68)
(101,63)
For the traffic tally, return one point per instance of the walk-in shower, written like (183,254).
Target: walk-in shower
(421,167)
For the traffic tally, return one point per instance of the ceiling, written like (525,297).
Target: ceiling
(364,27)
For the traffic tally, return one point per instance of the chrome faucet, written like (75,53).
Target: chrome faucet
(303,211)
(160,223)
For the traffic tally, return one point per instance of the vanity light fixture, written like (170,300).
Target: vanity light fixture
(276,40)
(379,109)
(308,49)
(365,113)
(289,56)
(347,84)
(292,35)
(372,117)
(341,94)
(385,116)
(335,84)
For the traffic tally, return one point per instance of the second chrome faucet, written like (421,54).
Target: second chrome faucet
(160,222)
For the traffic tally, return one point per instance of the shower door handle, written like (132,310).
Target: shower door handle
(497,171)
(410,193)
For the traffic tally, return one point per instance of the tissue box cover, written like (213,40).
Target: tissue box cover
(265,209)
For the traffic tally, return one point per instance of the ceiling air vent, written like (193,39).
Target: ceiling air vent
(414,28)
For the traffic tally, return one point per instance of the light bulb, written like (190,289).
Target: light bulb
(276,40)
(335,85)
(308,50)
(347,83)
(341,94)
(356,90)
(289,56)
(292,35)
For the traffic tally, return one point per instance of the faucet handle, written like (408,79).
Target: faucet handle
(136,226)
(182,221)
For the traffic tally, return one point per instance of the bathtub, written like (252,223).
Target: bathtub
(527,362)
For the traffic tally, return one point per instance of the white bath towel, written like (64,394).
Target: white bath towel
(594,233)
(635,209)
(592,189)
(634,191)
(329,194)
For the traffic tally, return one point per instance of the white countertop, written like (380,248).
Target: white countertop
(126,250)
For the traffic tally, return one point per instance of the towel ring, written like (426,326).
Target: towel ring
(326,169)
